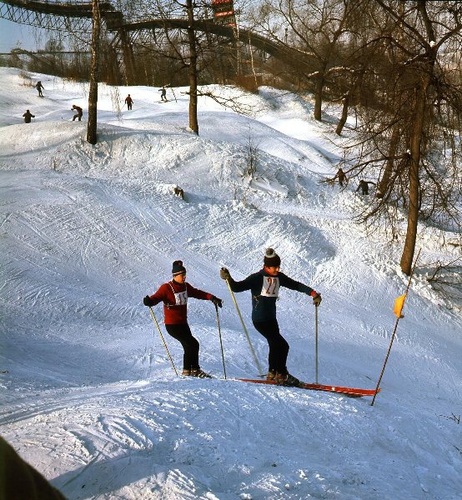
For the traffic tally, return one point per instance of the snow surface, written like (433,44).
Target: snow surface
(89,396)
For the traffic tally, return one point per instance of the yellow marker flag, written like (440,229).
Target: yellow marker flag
(398,307)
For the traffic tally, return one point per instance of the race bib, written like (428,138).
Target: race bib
(270,287)
(181,298)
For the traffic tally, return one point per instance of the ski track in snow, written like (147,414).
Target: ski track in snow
(89,397)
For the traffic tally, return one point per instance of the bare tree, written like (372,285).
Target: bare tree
(322,32)
(191,54)
(410,135)
(193,121)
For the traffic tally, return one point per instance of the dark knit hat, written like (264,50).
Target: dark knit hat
(271,258)
(178,268)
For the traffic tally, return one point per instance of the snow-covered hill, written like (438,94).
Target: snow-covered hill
(89,396)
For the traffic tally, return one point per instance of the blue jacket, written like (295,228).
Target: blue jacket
(265,291)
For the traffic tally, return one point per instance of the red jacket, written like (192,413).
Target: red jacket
(175,297)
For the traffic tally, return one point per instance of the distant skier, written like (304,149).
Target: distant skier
(39,88)
(264,286)
(163,94)
(27,116)
(175,294)
(129,102)
(79,112)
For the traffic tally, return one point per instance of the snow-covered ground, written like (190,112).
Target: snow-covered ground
(88,394)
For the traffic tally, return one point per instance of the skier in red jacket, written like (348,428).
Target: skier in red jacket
(174,294)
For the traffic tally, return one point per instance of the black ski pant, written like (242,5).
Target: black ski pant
(278,346)
(183,334)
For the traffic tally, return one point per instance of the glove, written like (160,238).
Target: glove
(147,301)
(224,274)
(317,299)
(216,301)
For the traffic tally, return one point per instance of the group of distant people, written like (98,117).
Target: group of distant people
(163,97)
(78,114)
(40,88)
(78,110)
(28,115)
(363,185)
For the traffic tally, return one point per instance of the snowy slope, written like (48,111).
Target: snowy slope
(89,396)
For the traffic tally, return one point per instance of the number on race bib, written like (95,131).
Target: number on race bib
(181,298)
(270,286)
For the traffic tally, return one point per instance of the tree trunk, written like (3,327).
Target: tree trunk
(344,117)
(384,183)
(414,183)
(193,121)
(422,100)
(318,97)
(93,90)
(128,58)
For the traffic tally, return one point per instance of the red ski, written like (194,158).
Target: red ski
(349,391)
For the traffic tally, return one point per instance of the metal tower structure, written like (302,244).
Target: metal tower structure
(74,18)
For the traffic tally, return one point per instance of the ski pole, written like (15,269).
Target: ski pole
(163,340)
(399,303)
(316,339)
(245,330)
(173,92)
(221,341)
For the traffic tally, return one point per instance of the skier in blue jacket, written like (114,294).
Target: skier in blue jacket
(264,286)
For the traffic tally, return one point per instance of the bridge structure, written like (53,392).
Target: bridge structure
(75,17)
(54,16)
